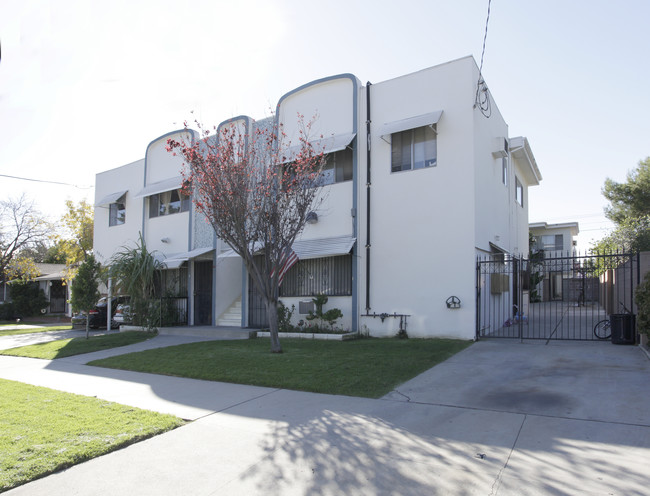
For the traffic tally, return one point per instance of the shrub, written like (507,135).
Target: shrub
(7,311)
(642,299)
(329,317)
(284,317)
(28,299)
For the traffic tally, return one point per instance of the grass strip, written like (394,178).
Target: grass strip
(44,431)
(77,346)
(365,367)
(13,332)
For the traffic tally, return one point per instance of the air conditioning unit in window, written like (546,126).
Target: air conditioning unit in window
(500,148)
(305,306)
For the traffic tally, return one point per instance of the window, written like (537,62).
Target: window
(338,167)
(413,149)
(169,202)
(552,242)
(331,276)
(116,214)
(519,192)
(504,171)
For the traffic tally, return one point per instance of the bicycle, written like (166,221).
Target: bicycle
(603,328)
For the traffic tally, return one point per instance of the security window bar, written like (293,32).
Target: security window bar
(168,203)
(331,276)
(414,149)
(116,214)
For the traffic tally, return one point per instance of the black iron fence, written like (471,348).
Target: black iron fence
(173,311)
(552,296)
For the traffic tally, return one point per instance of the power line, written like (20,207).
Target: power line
(45,181)
(482,98)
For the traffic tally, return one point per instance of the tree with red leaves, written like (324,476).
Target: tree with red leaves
(256,190)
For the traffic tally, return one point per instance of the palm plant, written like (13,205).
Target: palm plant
(134,270)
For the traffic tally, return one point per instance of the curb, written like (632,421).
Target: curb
(645,349)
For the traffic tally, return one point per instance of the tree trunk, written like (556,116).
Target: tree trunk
(272,313)
(87,325)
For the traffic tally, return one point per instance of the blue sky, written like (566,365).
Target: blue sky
(85,86)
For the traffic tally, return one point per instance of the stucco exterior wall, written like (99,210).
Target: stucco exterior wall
(110,239)
(519,214)
(494,199)
(331,107)
(328,105)
(422,221)
(174,229)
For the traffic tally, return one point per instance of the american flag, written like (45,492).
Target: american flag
(287,260)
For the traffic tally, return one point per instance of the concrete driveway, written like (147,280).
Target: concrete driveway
(582,408)
(498,418)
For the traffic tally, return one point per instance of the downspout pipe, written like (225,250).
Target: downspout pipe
(368,184)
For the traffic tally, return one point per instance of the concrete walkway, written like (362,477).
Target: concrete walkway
(498,418)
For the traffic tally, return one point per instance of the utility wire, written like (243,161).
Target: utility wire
(48,182)
(482,99)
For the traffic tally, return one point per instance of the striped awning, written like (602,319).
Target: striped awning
(324,247)
(314,248)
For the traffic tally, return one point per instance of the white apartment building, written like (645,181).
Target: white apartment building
(420,182)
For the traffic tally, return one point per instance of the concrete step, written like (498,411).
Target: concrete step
(229,322)
(221,332)
(232,316)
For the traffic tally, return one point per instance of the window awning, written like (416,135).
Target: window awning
(324,247)
(112,198)
(411,123)
(228,254)
(161,186)
(313,248)
(330,144)
(175,261)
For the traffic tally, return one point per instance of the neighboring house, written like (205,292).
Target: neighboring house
(52,279)
(408,207)
(557,244)
(555,239)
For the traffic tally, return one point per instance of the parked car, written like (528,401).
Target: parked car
(122,315)
(98,314)
(79,319)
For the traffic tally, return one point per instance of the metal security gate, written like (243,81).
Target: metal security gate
(552,297)
(203,293)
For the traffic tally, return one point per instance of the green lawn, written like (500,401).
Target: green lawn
(364,367)
(44,431)
(12,332)
(77,346)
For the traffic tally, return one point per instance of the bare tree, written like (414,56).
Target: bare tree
(21,227)
(256,191)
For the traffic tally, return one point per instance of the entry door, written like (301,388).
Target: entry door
(58,293)
(203,293)
(556,285)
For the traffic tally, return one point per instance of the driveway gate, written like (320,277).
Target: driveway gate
(552,297)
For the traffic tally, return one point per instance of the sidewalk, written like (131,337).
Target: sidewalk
(438,440)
